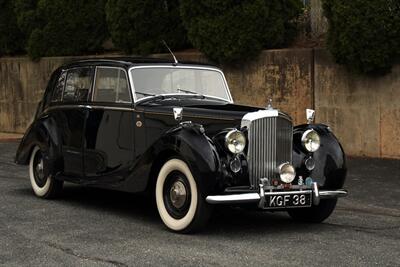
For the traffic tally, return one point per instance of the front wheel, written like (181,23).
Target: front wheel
(43,186)
(179,202)
(314,214)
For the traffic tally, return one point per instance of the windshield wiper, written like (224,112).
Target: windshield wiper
(190,92)
(145,94)
(150,99)
(187,91)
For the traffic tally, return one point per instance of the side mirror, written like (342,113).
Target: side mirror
(310,115)
(178,114)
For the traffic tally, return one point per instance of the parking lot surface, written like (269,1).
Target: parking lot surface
(95,227)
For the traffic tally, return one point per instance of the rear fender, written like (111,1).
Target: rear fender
(42,133)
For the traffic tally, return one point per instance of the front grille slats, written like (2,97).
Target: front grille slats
(270,144)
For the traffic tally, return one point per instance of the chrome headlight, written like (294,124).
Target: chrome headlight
(235,141)
(287,172)
(311,140)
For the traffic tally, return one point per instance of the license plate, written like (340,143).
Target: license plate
(287,200)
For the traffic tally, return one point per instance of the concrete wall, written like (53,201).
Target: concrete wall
(21,87)
(363,111)
(285,76)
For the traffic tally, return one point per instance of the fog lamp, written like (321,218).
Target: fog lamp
(235,165)
(287,172)
(310,163)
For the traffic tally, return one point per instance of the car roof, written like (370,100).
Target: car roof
(128,62)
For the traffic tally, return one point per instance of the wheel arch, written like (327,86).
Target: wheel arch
(330,160)
(195,149)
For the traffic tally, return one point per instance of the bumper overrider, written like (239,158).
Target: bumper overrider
(271,197)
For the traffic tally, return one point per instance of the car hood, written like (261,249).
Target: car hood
(201,108)
(213,115)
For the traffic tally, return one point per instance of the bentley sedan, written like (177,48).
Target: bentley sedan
(172,129)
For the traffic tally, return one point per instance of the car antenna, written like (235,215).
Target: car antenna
(175,60)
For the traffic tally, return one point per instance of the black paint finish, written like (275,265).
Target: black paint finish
(122,146)
(108,150)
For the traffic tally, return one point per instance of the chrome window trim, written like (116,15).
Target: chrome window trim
(230,100)
(66,78)
(62,91)
(110,67)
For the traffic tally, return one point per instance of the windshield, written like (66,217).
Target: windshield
(174,80)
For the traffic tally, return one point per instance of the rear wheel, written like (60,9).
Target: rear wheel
(179,202)
(314,214)
(43,186)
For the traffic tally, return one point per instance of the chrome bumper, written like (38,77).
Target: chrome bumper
(258,197)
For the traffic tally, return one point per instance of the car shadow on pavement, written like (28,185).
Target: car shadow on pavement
(141,208)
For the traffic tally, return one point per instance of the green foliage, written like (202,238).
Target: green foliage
(230,31)
(364,35)
(11,38)
(62,27)
(139,26)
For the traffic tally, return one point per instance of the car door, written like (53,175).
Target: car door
(109,133)
(67,112)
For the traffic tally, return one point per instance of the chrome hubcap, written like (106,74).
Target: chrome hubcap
(39,168)
(177,194)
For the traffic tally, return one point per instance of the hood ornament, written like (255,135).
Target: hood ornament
(178,114)
(269,106)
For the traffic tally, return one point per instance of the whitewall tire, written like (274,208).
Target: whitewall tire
(44,187)
(179,202)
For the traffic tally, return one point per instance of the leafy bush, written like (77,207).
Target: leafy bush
(138,26)
(62,27)
(11,38)
(230,31)
(364,35)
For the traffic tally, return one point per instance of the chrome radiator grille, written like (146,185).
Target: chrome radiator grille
(270,144)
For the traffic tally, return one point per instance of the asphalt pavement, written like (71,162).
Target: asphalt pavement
(95,227)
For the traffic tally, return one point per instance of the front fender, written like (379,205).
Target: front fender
(198,151)
(330,160)
(188,142)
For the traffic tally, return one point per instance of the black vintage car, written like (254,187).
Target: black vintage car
(172,129)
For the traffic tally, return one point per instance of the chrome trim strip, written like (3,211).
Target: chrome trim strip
(252,116)
(88,107)
(230,100)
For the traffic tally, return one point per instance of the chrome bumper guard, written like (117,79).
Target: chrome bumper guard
(259,197)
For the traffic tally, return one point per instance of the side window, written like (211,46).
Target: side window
(59,87)
(111,86)
(77,85)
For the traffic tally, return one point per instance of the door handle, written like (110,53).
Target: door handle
(85,106)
